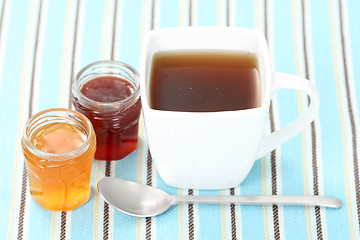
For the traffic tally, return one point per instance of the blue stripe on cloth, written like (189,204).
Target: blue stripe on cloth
(329,118)
(166,224)
(354,31)
(130,34)
(125,166)
(169,14)
(40,220)
(83,217)
(245,14)
(252,216)
(206,14)
(291,151)
(92,32)
(125,225)
(9,105)
(52,55)
(209,229)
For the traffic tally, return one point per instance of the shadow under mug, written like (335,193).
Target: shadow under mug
(216,150)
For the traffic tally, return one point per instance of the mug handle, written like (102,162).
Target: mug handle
(283,81)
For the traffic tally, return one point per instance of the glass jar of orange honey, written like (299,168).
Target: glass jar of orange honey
(59,147)
(107,92)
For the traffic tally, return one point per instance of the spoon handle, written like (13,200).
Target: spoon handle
(300,200)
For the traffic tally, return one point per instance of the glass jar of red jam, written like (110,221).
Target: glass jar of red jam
(107,92)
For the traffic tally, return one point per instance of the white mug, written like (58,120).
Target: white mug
(215,150)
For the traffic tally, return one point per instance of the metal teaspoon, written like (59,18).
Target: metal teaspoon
(145,201)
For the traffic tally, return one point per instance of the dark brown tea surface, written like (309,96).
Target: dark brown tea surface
(204,81)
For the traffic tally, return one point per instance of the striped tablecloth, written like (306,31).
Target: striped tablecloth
(43,43)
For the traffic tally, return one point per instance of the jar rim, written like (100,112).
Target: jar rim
(77,92)
(26,142)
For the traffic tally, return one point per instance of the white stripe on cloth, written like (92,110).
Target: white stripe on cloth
(221,13)
(118,30)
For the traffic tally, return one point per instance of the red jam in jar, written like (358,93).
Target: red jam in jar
(107,89)
(107,92)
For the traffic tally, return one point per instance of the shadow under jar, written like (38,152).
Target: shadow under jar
(59,146)
(107,92)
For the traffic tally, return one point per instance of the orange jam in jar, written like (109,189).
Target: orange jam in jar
(59,147)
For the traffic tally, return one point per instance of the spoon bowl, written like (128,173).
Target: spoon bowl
(145,201)
(133,198)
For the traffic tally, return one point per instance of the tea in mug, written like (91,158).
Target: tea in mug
(204,81)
